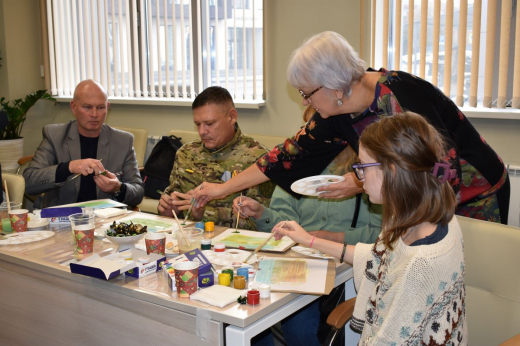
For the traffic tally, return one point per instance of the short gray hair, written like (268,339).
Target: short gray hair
(327,60)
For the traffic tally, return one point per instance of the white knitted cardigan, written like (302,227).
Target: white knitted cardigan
(412,295)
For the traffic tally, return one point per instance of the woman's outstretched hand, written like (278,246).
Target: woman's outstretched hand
(349,187)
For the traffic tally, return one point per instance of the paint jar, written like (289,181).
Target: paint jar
(205,244)
(252,273)
(239,282)
(126,255)
(224,279)
(199,224)
(265,290)
(219,247)
(253,297)
(243,272)
(228,270)
(144,260)
(209,226)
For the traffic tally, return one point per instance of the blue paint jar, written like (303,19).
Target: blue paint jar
(199,225)
(243,272)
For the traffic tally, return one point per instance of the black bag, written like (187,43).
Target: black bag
(158,167)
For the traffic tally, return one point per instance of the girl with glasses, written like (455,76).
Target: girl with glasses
(410,283)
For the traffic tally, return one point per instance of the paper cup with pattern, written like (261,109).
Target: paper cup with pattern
(83,223)
(84,235)
(18,219)
(186,278)
(155,243)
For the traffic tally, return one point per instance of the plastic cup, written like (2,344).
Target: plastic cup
(186,278)
(4,216)
(18,219)
(190,240)
(155,243)
(83,226)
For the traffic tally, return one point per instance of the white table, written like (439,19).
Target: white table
(43,303)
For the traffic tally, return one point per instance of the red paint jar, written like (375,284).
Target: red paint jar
(219,247)
(253,297)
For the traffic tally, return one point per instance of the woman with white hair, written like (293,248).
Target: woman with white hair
(332,78)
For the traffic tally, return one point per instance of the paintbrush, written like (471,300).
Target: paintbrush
(238,215)
(189,210)
(77,175)
(261,245)
(188,243)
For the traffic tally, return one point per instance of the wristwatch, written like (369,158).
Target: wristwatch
(118,191)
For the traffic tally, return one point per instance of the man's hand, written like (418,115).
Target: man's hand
(86,167)
(248,208)
(166,205)
(107,182)
(184,201)
(337,237)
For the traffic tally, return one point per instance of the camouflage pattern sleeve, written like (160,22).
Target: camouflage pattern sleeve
(194,165)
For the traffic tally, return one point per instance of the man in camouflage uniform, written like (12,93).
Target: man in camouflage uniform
(222,152)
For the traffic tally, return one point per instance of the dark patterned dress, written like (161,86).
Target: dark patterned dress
(482,183)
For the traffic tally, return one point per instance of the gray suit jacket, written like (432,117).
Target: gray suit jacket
(61,143)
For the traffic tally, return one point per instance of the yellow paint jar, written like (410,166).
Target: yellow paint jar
(224,279)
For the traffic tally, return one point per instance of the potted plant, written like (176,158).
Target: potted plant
(11,141)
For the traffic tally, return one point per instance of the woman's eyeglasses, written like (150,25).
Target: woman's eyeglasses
(359,168)
(306,96)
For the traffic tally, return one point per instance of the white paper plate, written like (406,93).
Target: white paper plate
(26,237)
(36,222)
(228,257)
(307,186)
(310,252)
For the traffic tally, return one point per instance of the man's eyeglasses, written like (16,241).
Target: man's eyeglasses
(359,168)
(306,96)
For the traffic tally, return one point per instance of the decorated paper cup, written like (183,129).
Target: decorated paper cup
(82,222)
(155,243)
(18,219)
(84,235)
(4,215)
(186,278)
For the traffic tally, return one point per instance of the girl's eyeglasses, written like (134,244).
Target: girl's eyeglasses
(359,168)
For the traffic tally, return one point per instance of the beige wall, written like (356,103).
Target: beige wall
(288,23)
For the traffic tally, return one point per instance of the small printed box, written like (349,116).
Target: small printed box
(206,279)
(194,255)
(59,220)
(143,269)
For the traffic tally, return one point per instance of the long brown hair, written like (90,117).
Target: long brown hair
(408,147)
(343,162)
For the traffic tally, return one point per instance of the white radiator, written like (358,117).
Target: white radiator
(152,141)
(514,202)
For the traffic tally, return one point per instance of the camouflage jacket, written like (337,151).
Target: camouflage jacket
(194,164)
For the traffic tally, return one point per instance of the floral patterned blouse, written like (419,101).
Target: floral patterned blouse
(480,171)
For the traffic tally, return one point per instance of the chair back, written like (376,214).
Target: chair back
(492,257)
(140,140)
(187,136)
(15,185)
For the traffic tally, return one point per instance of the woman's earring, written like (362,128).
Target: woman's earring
(340,103)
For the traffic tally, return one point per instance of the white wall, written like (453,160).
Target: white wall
(288,23)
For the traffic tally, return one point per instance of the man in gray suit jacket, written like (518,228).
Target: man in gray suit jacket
(87,147)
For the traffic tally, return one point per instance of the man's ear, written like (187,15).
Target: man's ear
(73,107)
(233,115)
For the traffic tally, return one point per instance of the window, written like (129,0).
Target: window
(157,49)
(466,47)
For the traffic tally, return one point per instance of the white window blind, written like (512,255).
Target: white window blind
(157,49)
(470,49)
